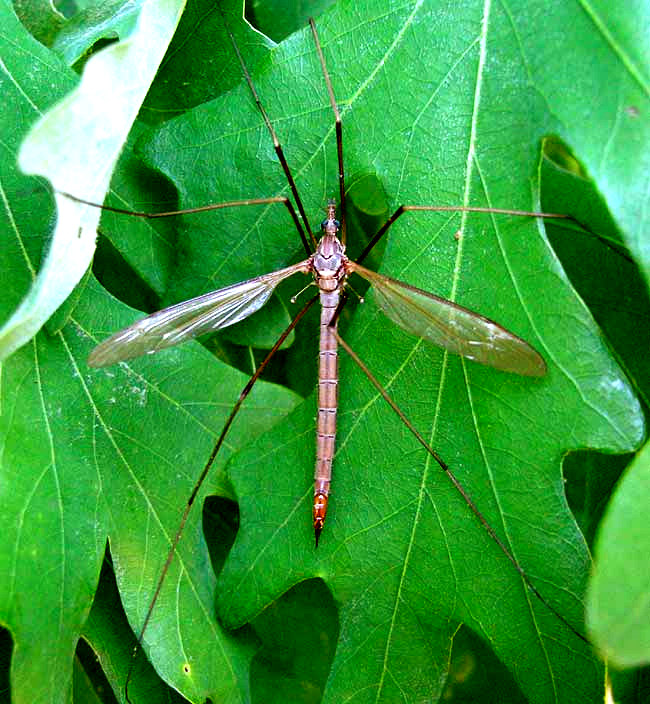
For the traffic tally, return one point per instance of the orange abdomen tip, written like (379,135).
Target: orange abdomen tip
(320,511)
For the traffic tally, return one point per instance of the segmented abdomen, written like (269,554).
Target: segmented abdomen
(327,407)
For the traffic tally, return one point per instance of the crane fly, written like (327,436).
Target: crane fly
(440,321)
(423,314)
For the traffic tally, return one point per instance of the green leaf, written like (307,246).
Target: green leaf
(201,64)
(280,18)
(147,246)
(107,632)
(443,108)
(106,21)
(402,555)
(80,139)
(94,454)
(40,17)
(618,595)
(90,456)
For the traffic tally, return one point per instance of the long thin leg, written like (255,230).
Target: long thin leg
(276,142)
(339,127)
(199,482)
(201,209)
(454,480)
(451,209)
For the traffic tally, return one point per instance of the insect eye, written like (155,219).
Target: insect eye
(325,222)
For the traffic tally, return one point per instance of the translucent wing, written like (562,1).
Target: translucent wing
(183,321)
(452,327)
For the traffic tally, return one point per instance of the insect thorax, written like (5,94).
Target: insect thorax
(328,261)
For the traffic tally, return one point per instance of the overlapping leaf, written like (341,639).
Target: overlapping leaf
(445,108)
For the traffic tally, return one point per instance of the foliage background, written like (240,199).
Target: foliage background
(113,452)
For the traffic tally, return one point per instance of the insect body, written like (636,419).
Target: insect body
(330,268)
